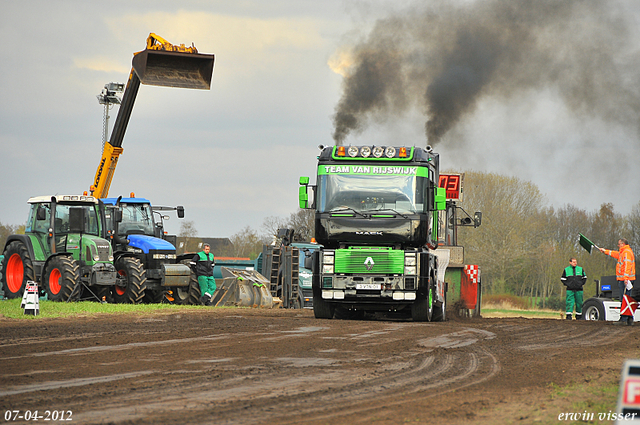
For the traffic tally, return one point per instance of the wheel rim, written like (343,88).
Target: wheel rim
(54,281)
(592,314)
(15,273)
(120,290)
(180,293)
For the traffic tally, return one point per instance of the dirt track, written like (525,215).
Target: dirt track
(250,366)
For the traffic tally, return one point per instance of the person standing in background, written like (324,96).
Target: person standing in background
(202,265)
(574,278)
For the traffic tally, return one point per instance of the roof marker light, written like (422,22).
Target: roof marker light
(403,153)
(341,151)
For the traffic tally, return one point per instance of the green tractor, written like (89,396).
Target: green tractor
(61,250)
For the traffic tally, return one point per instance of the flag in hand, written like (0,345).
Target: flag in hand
(586,243)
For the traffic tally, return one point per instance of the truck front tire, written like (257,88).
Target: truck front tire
(593,309)
(321,308)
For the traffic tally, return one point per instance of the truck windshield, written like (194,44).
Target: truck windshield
(366,193)
(136,219)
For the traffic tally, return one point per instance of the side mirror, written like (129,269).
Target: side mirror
(117,215)
(440,200)
(180,211)
(477,219)
(76,220)
(303,195)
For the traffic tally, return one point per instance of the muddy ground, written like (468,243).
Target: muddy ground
(251,366)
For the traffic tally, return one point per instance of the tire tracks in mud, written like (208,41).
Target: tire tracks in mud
(315,371)
(439,365)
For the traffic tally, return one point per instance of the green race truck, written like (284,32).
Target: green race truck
(376,221)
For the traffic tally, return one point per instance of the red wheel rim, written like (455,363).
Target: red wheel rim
(15,273)
(54,281)
(120,290)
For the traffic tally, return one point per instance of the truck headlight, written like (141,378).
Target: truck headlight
(409,269)
(327,259)
(410,260)
(327,268)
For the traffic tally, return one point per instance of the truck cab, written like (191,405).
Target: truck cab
(376,218)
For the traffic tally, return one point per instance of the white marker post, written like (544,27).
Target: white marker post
(30,299)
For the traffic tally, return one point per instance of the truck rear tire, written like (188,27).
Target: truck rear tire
(132,281)
(17,269)
(440,312)
(593,309)
(61,278)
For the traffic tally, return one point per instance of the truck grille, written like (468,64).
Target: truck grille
(369,261)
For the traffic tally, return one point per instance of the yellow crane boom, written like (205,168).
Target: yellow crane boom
(160,64)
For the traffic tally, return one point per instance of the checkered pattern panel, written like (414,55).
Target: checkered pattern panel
(473,271)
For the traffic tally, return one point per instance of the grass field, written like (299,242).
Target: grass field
(48,309)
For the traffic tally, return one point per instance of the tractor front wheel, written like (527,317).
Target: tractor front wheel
(17,269)
(61,276)
(130,281)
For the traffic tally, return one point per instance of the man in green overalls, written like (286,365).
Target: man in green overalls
(202,265)
(574,278)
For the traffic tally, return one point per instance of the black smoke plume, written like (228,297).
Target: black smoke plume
(443,58)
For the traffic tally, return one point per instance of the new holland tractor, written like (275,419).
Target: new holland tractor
(62,250)
(137,234)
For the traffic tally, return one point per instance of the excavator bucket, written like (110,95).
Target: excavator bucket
(244,288)
(174,69)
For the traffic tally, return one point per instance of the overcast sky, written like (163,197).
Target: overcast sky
(232,155)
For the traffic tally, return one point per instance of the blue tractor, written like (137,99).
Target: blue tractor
(136,234)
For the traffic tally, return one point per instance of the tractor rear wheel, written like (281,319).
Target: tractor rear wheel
(61,276)
(130,281)
(17,269)
(183,295)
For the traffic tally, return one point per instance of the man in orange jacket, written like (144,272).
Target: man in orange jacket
(625,267)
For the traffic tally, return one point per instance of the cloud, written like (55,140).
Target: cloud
(100,63)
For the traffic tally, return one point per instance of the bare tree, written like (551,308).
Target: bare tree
(246,243)
(189,232)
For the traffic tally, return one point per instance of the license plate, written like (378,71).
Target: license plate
(369,286)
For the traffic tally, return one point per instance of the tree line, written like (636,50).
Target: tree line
(521,247)
(523,244)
